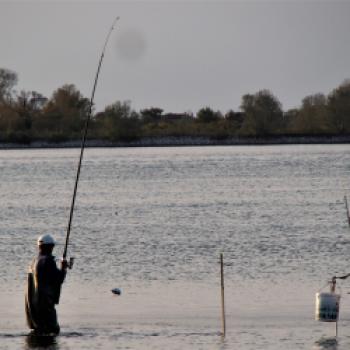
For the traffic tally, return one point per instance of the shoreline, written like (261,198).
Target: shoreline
(173,141)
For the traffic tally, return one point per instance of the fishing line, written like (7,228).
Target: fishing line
(84,139)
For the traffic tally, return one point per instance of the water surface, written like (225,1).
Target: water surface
(153,221)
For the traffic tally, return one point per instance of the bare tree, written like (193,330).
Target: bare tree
(8,79)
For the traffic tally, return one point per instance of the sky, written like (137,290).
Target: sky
(178,55)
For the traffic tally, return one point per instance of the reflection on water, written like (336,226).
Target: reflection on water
(34,341)
(326,344)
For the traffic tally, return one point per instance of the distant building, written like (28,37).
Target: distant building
(38,102)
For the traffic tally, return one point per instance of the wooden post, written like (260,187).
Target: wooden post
(347,209)
(336,328)
(223,316)
(333,285)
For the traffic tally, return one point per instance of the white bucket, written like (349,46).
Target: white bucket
(327,307)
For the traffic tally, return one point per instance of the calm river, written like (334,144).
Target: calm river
(153,221)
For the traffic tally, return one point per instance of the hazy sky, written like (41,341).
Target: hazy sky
(178,55)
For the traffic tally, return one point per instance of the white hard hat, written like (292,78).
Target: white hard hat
(45,239)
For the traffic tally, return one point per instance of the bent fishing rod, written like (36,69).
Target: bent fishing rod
(84,139)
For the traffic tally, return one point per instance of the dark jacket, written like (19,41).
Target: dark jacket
(43,292)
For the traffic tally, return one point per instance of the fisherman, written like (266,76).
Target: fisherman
(44,287)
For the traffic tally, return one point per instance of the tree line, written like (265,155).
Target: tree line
(27,116)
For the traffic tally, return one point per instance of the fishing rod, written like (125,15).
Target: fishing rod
(84,139)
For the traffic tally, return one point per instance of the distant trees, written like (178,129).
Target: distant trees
(236,118)
(8,79)
(28,115)
(320,114)
(118,122)
(25,109)
(263,114)
(151,115)
(10,123)
(339,108)
(313,117)
(207,115)
(14,119)
(63,116)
